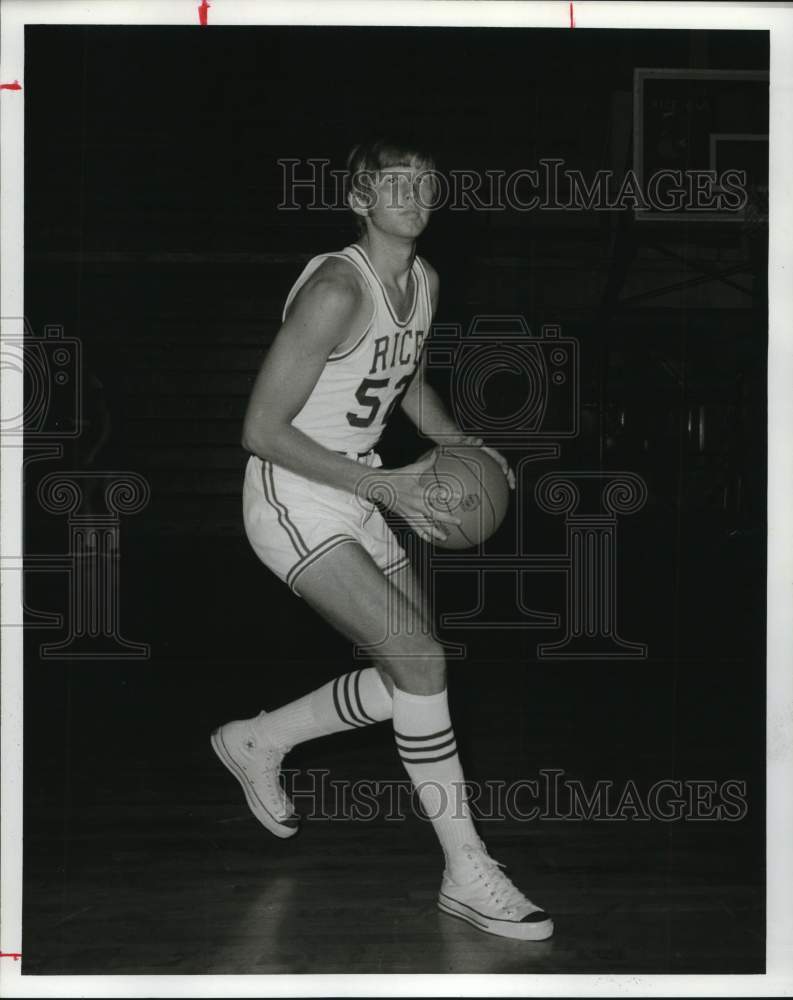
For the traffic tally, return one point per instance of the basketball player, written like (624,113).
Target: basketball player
(348,353)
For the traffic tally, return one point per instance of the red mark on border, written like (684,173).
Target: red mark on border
(203,10)
(16,85)
(16,955)
(572,16)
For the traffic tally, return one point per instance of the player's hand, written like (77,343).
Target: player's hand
(470,441)
(405,491)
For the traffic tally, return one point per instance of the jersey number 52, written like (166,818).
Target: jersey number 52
(369,394)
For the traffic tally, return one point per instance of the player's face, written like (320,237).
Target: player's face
(402,200)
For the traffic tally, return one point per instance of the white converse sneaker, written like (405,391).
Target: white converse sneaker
(257,766)
(487,899)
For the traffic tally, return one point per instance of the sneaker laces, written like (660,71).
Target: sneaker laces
(501,888)
(271,758)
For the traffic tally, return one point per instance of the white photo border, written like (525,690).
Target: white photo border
(775,18)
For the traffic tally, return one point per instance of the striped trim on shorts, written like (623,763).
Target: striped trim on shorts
(291,522)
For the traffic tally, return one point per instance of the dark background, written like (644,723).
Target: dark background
(152,235)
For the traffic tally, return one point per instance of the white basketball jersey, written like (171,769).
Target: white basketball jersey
(359,389)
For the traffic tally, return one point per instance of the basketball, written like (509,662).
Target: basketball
(468,483)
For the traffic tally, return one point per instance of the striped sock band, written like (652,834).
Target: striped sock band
(359,698)
(351,694)
(426,749)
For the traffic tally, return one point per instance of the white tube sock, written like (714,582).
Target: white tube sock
(427,747)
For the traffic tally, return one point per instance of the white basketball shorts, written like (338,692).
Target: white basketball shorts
(291,522)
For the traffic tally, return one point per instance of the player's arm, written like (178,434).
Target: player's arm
(326,312)
(426,409)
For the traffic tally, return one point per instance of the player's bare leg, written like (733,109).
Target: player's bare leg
(416,607)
